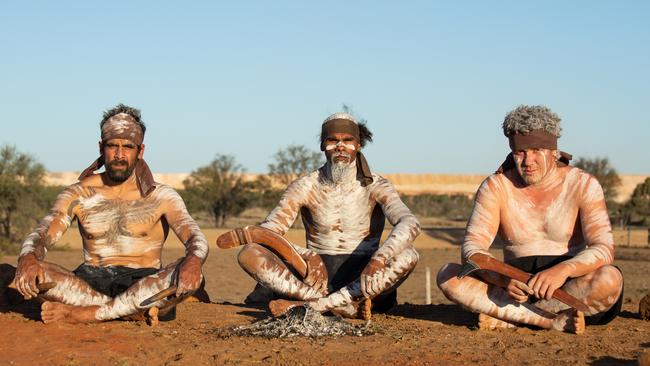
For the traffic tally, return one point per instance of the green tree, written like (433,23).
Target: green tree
(293,162)
(636,211)
(219,188)
(22,196)
(263,194)
(604,173)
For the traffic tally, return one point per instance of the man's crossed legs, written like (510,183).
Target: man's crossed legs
(74,300)
(344,297)
(600,290)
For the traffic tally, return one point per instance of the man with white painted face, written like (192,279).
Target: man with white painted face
(553,222)
(343,207)
(124,218)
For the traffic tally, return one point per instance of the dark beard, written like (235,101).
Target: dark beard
(119,176)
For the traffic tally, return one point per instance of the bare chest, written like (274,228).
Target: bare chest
(107,221)
(530,218)
(341,208)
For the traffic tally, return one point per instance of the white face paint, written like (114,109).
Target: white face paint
(533,165)
(333,146)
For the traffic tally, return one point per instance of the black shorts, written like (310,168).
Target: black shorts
(538,263)
(342,269)
(114,280)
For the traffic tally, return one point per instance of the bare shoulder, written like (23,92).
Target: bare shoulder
(379,182)
(578,177)
(93,181)
(586,184)
(381,189)
(574,173)
(306,181)
(498,182)
(165,192)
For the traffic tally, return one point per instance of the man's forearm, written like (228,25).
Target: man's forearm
(36,244)
(197,247)
(401,237)
(588,261)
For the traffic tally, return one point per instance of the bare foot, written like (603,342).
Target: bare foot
(280,307)
(152,316)
(570,321)
(486,322)
(52,312)
(365,305)
(357,310)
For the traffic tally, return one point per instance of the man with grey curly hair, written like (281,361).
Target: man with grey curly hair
(554,225)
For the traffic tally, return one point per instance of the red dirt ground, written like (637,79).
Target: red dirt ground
(412,333)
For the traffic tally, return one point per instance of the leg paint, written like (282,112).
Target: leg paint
(347,299)
(269,270)
(599,290)
(70,289)
(479,297)
(128,302)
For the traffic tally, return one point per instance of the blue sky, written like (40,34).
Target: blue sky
(434,80)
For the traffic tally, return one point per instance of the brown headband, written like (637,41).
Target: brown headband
(536,139)
(350,127)
(509,163)
(123,126)
(339,126)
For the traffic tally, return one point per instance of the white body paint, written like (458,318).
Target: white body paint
(110,228)
(528,229)
(115,232)
(338,217)
(563,215)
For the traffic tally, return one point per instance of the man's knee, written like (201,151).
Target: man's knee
(249,256)
(446,277)
(609,279)
(612,274)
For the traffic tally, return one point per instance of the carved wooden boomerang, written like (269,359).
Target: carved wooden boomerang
(159,296)
(481,261)
(262,236)
(42,287)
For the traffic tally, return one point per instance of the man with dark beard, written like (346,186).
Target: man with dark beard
(343,207)
(124,218)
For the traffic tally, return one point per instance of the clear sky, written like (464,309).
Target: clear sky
(246,78)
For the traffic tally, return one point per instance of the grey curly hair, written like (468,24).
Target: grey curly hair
(526,118)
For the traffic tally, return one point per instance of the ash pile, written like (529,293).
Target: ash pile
(302,321)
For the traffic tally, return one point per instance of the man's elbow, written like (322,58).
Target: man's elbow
(414,226)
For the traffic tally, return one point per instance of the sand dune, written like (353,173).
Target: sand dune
(405,183)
